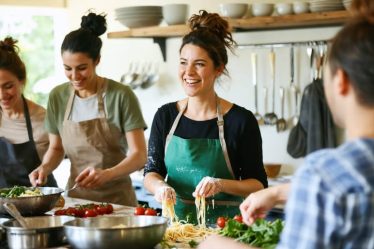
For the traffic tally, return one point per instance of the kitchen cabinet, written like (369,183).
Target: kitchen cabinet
(159,34)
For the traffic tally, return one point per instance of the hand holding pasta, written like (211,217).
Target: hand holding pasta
(165,193)
(208,186)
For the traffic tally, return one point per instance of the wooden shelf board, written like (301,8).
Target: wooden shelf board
(248,24)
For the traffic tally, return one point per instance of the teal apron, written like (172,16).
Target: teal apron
(190,160)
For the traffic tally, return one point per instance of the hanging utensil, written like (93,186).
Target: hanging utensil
(294,88)
(271,118)
(281,123)
(258,116)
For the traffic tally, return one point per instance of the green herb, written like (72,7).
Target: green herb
(262,233)
(193,244)
(13,192)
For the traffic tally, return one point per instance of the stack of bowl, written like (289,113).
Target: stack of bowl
(347,4)
(325,5)
(139,16)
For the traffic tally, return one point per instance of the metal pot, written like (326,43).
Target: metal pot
(44,231)
(34,205)
(2,231)
(141,232)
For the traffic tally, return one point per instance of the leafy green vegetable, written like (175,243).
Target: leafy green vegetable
(14,192)
(262,233)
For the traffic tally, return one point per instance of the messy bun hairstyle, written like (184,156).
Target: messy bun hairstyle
(352,51)
(10,60)
(86,39)
(212,33)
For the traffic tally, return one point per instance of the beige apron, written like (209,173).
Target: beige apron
(92,143)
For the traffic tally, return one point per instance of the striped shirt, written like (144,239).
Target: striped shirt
(331,204)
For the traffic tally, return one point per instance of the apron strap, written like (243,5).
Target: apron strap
(221,134)
(100,101)
(27,117)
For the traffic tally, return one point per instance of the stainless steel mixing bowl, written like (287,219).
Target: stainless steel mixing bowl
(140,232)
(34,205)
(43,232)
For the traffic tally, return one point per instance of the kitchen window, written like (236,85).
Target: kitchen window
(39,31)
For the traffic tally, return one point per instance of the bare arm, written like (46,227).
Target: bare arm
(220,242)
(256,205)
(52,158)
(135,160)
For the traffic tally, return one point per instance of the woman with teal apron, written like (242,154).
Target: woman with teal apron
(204,146)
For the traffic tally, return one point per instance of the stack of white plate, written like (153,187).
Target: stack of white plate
(139,16)
(347,4)
(325,5)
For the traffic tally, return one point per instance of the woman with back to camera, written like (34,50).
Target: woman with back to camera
(205,145)
(23,139)
(94,120)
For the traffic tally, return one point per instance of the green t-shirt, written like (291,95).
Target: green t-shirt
(122,107)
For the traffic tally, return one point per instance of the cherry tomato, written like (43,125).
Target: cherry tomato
(101,209)
(238,218)
(139,211)
(90,213)
(71,211)
(150,211)
(221,222)
(60,212)
(79,212)
(109,208)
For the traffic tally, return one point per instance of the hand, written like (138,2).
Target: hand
(208,186)
(166,193)
(38,177)
(92,177)
(257,204)
(221,242)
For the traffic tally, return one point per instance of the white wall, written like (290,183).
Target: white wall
(118,53)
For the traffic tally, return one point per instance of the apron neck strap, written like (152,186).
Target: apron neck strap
(26,113)
(99,99)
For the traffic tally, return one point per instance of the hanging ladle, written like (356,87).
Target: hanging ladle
(258,116)
(281,123)
(271,118)
(294,88)
(13,211)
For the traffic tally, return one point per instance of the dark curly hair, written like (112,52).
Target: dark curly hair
(10,60)
(352,50)
(212,33)
(86,38)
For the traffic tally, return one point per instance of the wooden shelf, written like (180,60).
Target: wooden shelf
(307,20)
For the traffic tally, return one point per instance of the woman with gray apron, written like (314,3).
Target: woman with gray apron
(204,145)
(23,140)
(93,120)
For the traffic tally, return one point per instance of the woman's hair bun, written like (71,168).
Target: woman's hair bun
(9,44)
(94,23)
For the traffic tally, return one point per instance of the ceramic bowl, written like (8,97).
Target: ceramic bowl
(233,10)
(262,9)
(175,13)
(300,7)
(283,9)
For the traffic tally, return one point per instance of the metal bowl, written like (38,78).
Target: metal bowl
(141,232)
(34,205)
(43,232)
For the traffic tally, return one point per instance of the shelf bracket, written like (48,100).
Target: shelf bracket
(161,41)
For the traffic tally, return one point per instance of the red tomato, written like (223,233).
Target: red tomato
(90,213)
(139,211)
(79,212)
(221,222)
(71,211)
(102,209)
(109,208)
(150,211)
(60,212)
(238,218)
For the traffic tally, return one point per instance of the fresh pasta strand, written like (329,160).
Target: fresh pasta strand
(200,210)
(168,210)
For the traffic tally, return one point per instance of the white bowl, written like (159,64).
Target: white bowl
(300,7)
(262,9)
(139,22)
(175,13)
(283,9)
(233,10)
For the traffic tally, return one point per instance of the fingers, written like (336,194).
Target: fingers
(165,193)
(88,178)
(207,187)
(37,177)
